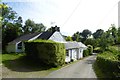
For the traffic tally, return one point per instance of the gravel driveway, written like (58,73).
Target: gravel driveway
(80,69)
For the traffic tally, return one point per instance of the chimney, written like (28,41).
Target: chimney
(55,29)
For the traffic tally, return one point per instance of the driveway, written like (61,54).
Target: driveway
(80,69)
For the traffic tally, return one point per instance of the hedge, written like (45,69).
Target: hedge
(108,64)
(85,53)
(47,52)
(88,51)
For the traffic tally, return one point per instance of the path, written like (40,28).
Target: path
(80,69)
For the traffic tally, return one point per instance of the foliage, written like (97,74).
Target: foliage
(12,25)
(90,49)
(118,40)
(86,33)
(92,42)
(98,33)
(85,53)
(76,36)
(47,52)
(103,43)
(110,67)
(68,38)
(111,61)
(10,29)
(31,27)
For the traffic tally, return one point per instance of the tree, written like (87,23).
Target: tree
(118,31)
(39,28)
(118,40)
(85,34)
(76,36)
(92,42)
(11,32)
(18,25)
(31,27)
(10,29)
(103,42)
(98,33)
(113,32)
(8,15)
(68,38)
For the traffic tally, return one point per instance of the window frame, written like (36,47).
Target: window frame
(19,46)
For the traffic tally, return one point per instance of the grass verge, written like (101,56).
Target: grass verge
(19,66)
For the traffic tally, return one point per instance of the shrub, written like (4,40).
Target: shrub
(47,52)
(85,53)
(90,49)
(108,64)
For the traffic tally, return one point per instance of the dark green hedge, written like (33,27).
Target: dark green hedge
(47,52)
(109,67)
(88,51)
(85,53)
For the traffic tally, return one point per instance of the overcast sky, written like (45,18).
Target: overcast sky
(70,15)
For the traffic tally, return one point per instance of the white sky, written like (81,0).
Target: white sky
(71,15)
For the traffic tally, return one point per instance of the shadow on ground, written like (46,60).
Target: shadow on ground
(90,61)
(24,64)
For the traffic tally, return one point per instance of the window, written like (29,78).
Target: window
(19,46)
(80,51)
(67,53)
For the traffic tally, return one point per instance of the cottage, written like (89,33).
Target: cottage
(74,50)
(17,44)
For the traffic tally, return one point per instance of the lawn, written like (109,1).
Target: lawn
(18,66)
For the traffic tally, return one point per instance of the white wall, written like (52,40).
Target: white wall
(11,48)
(67,58)
(74,54)
(57,37)
(80,53)
(19,50)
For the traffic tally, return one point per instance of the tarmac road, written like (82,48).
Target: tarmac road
(80,69)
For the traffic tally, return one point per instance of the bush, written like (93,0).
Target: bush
(47,52)
(85,53)
(90,49)
(108,64)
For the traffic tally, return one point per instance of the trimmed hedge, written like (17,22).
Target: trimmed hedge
(47,52)
(88,51)
(108,64)
(85,53)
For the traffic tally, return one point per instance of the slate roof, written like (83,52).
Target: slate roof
(45,35)
(74,44)
(82,45)
(71,45)
(24,38)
